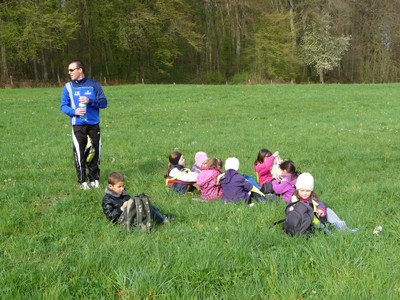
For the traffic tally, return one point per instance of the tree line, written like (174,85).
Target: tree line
(201,41)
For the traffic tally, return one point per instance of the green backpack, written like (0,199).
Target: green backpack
(138,214)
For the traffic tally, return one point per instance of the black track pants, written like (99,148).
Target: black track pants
(80,134)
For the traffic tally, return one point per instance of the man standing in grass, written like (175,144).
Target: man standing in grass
(81,100)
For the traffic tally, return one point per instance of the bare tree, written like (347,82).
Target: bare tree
(4,67)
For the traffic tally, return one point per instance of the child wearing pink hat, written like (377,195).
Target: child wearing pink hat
(200,158)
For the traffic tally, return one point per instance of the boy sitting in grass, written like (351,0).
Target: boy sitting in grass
(117,202)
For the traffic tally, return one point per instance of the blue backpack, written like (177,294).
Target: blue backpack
(251,180)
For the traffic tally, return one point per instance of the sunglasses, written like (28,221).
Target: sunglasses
(71,70)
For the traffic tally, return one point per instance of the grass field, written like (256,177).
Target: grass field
(57,244)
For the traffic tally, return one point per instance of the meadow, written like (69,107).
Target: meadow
(57,244)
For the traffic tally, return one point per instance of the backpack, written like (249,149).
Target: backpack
(138,213)
(299,218)
(251,180)
(267,188)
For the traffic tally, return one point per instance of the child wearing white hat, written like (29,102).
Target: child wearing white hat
(235,187)
(305,193)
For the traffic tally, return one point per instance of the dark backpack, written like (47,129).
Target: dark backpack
(267,188)
(138,214)
(299,218)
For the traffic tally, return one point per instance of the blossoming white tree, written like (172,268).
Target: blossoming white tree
(320,49)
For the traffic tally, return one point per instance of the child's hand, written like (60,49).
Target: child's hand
(320,213)
(275,154)
(125,204)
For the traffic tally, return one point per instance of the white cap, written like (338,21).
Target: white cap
(305,181)
(232,163)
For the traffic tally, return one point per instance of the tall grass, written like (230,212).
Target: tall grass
(57,244)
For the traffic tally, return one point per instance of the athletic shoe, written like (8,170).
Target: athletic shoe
(85,186)
(340,225)
(168,218)
(94,184)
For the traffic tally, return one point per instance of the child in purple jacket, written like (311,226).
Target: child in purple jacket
(234,186)
(284,185)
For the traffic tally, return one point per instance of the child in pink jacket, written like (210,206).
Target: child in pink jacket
(262,166)
(207,179)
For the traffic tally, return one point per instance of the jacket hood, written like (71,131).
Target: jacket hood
(114,194)
(229,175)
(289,179)
(206,174)
(200,158)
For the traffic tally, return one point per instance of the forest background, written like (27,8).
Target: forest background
(200,41)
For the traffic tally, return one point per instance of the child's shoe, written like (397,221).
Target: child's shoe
(85,186)
(341,225)
(94,184)
(168,218)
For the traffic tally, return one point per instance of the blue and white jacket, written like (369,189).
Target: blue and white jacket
(70,100)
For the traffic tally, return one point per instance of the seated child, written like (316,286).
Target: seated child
(285,182)
(116,200)
(180,179)
(200,158)
(234,186)
(207,180)
(305,193)
(262,166)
